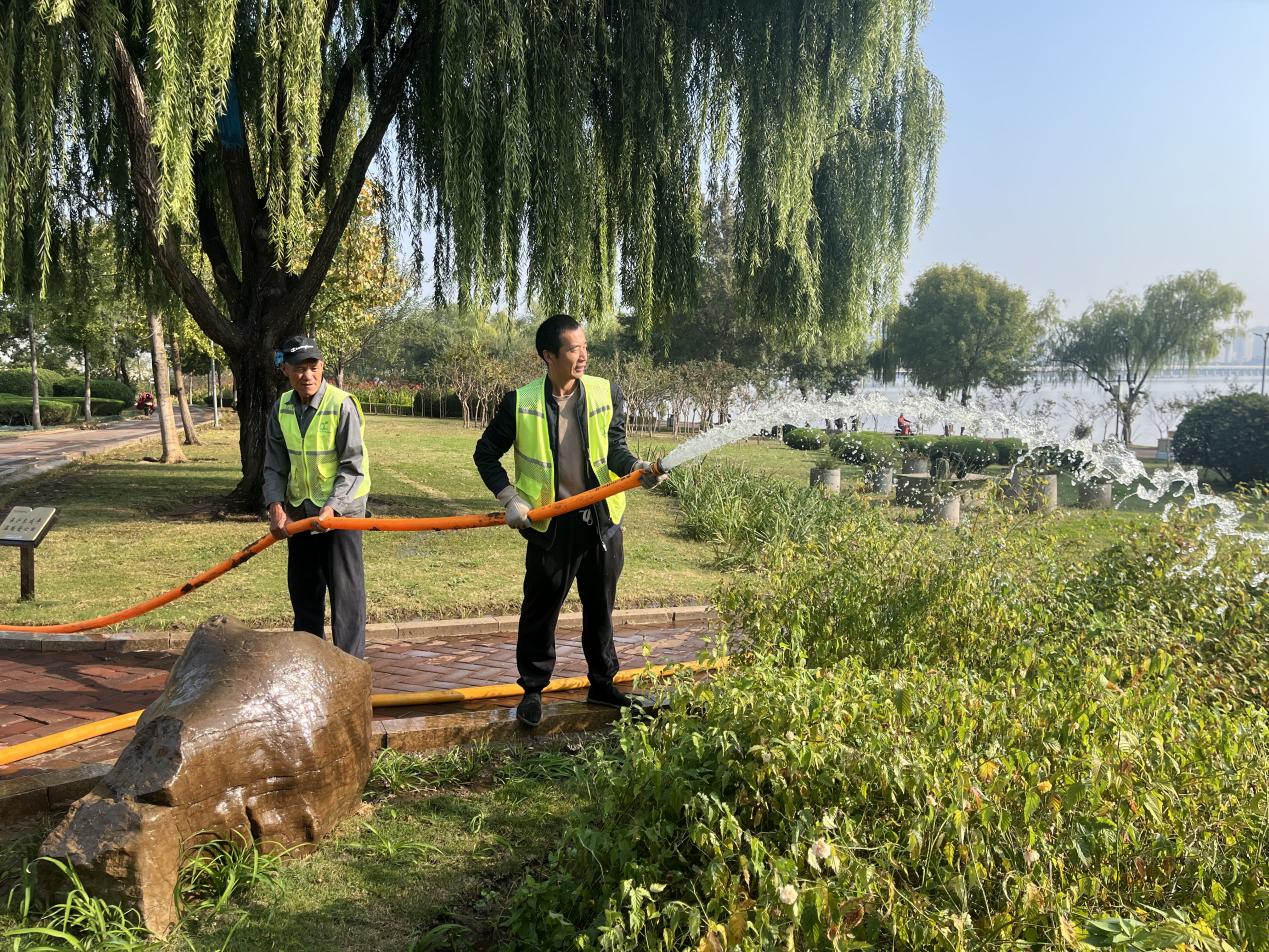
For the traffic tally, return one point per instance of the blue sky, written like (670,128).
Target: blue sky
(1100,145)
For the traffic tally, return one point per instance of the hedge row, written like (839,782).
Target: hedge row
(870,449)
(101,405)
(18,381)
(16,411)
(806,438)
(105,388)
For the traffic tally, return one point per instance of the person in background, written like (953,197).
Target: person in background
(315,464)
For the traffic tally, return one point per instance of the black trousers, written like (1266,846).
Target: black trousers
(322,562)
(549,573)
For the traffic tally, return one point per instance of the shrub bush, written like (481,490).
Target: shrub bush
(101,407)
(1053,459)
(105,388)
(964,756)
(16,411)
(865,448)
(1008,450)
(386,398)
(913,447)
(1228,435)
(740,512)
(963,453)
(15,380)
(805,438)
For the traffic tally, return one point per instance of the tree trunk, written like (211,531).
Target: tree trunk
(172,452)
(187,421)
(88,389)
(255,389)
(214,387)
(339,376)
(35,366)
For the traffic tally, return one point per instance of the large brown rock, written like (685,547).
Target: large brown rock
(257,734)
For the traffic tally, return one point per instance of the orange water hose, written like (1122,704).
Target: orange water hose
(109,725)
(430,524)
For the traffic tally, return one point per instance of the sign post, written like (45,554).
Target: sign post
(26,528)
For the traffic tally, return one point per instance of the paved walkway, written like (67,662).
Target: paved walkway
(45,692)
(33,452)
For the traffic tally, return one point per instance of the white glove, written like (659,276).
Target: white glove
(650,479)
(517,508)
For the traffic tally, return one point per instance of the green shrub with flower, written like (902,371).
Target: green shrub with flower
(933,740)
(965,454)
(867,449)
(806,438)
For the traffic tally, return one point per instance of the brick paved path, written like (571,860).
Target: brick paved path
(46,692)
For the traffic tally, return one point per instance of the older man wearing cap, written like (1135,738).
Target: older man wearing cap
(315,465)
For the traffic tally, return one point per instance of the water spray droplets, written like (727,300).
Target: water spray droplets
(1110,461)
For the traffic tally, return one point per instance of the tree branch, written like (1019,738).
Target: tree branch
(1092,375)
(209,236)
(244,196)
(144,167)
(303,289)
(341,93)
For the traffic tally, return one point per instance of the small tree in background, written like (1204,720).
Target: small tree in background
(362,284)
(1125,338)
(960,328)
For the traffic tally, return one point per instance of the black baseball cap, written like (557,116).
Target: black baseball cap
(296,350)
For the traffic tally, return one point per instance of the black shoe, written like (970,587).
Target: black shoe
(529,710)
(609,696)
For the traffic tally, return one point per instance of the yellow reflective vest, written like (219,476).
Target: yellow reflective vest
(314,458)
(534,461)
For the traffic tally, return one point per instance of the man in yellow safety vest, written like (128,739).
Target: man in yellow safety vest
(568,430)
(315,464)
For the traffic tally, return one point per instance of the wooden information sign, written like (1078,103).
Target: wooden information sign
(26,528)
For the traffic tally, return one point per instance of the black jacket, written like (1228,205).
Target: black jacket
(500,436)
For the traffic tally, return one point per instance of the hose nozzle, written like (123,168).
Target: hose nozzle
(659,467)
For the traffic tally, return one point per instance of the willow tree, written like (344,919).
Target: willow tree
(1121,340)
(563,144)
(960,328)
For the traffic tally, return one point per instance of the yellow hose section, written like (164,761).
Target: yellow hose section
(109,725)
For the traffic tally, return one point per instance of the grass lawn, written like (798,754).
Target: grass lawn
(438,847)
(129,529)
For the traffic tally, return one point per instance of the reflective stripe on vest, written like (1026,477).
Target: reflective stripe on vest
(314,458)
(535,463)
